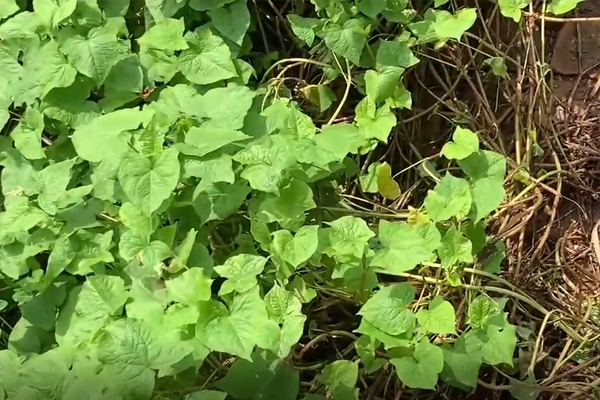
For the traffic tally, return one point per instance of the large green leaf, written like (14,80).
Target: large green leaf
(207,60)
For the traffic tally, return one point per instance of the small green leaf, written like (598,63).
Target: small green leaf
(455,248)
(422,368)
(451,197)
(28,134)
(379,179)
(8,8)
(404,246)
(453,26)
(464,143)
(241,271)
(488,194)
(301,290)
(365,348)
(374,123)
(340,377)
(207,395)
(148,183)
(512,8)
(387,309)
(439,319)
(371,8)
(285,310)
(558,7)
(266,376)
(482,310)
(107,137)
(527,389)
(223,17)
(207,60)
(304,28)
(349,235)
(484,164)
(53,12)
(461,364)
(346,40)
(380,85)
(166,34)
(498,66)
(395,54)
(94,55)
(191,287)
(493,263)
(208,139)
(320,95)
(235,330)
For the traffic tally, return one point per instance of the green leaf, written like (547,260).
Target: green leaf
(114,8)
(289,207)
(53,12)
(461,364)
(371,8)
(289,120)
(220,200)
(304,28)
(225,107)
(45,68)
(482,310)
(320,95)
(285,310)
(453,26)
(148,183)
(266,377)
(395,54)
(524,390)
(107,137)
(455,248)
(208,139)
(54,179)
(235,330)
(498,66)
(464,143)
(365,348)
(19,215)
(340,377)
(301,290)
(302,246)
(222,20)
(498,342)
(208,58)
(387,309)
(207,395)
(94,55)
(130,349)
(27,136)
(422,368)
(346,40)
(374,123)
(166,35)
(439,319)
(8,8)
(488,194)
(380,85)
(189,288)
(241,271)
(484,164)
(451,197)
(133,244)
(89,308)
(493,264)
(512,8)
(349,236)
(133,218)
(558,7)
(404,246)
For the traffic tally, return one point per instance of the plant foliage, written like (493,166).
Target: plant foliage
(161,206)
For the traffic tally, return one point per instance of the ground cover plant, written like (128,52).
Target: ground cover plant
(175,220)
